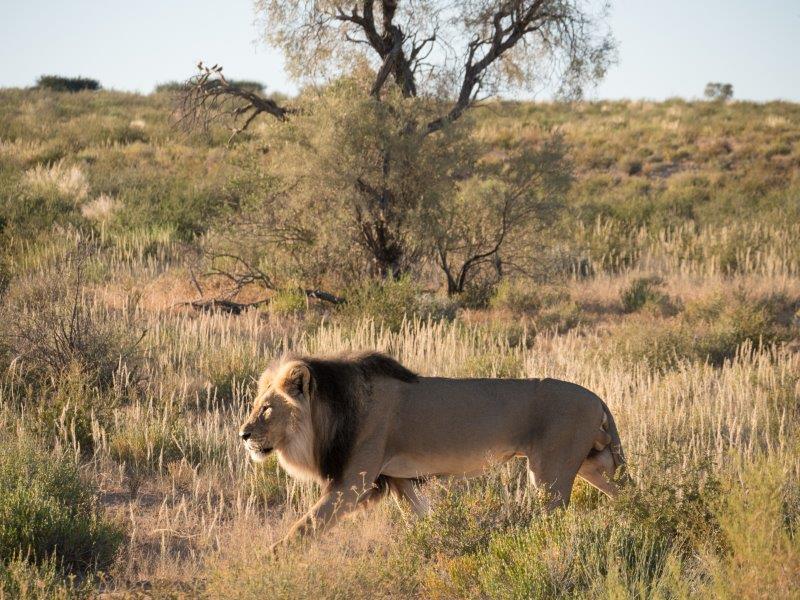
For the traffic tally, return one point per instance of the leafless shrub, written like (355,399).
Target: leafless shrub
(49,325)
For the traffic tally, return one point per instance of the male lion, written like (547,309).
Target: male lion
(363,425)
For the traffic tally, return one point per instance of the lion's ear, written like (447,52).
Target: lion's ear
(297,381)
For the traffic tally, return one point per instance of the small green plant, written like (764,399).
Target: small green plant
(758,518)
(466,515)
(48,511)
(641,291)
(516,297)
(22,580)
(57,83)
(288,301)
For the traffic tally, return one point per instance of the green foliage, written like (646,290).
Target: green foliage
(759,523)
(466,515)
(188,207)
(393,301)
(288,301)
(498,211)
(31,212)
(545,307)
(249,85)
(67,407)
(640,292)
(48,510)
(170,87)
(374,212)
(674,503)
(517,297)
(633,545)
(22,580)
(712,329)
(57,83)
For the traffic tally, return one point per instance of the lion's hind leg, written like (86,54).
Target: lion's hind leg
(598,469)
(405,490)
(555,479)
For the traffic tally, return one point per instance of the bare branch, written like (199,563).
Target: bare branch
(388,65)
(510,23)
(209,97)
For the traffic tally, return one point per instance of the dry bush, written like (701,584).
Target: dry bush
(58,178)
(50,325)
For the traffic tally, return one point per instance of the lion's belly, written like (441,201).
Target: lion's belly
(408,466)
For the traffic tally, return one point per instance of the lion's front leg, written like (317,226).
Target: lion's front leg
(337,500)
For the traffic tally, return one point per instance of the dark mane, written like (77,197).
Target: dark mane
(341,385)
(376,364)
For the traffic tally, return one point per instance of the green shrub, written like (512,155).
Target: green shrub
(641,291)
(31,214)
(560,316)
(516,296)
(543,307)
(22,580)
(186,206)
(57,83)
(48,510)
(723,324)
(67,409)
(674,502)
(249,85)
(645,541)
(169,87)
(288,301)
(566,555)
(712,329)
(392,301)
(466,515)
(758,518)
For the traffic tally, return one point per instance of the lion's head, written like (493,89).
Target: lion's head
(279,410)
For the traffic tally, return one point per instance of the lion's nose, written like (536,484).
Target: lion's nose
(245,435)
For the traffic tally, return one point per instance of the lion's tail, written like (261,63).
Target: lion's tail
(616,444)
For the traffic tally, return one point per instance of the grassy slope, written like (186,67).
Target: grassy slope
(702,196)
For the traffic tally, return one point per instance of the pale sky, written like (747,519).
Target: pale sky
(665,49)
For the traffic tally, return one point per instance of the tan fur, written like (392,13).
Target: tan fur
(363,425)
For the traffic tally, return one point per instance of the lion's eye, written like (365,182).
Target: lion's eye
(266,410)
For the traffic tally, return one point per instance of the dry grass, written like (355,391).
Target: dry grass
(702,372)
(68,181)
(197,514)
